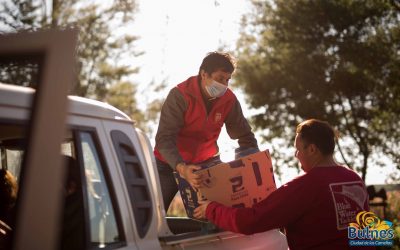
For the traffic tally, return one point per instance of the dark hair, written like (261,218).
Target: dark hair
(8,191)
(217,60)
(319,133)
(73,174)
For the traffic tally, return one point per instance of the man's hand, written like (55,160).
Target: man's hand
(200,211)
(187,172)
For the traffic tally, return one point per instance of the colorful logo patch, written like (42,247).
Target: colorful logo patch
(369,230)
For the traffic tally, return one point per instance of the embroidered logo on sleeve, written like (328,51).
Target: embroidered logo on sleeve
(348,198)
(217,117)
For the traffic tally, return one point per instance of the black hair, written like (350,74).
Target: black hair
(217,60)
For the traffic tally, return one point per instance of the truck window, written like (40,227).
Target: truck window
(104,229)
(12,150)
(135,179)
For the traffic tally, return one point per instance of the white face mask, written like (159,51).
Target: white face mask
(216,89)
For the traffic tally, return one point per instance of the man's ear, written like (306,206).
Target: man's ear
(313,149)
(204,74)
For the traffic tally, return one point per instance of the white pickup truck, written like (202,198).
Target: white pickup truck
(120,191)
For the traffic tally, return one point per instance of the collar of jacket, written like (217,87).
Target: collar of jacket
(193,89)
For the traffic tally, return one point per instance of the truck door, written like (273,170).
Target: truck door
(40,195)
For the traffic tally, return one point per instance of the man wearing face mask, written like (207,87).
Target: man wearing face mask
(191,120)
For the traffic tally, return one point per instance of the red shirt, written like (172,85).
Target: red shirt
(314,208)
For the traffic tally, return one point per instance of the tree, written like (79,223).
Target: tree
(338,61)
(103,50)
(17,15)
(120,95)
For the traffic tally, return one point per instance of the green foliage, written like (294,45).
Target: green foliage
(121,96)
(333,60)
(16,15)
(102,48)
(19,72)
(101,44)
(20,14)
(394,216)
(154,104)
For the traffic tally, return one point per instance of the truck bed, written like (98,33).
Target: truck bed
(194,234)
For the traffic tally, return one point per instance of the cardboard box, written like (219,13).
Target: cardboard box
(239,183)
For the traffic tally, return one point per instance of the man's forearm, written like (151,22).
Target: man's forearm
(171,155)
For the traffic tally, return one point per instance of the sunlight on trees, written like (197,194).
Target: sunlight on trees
(102,45)
(333,60)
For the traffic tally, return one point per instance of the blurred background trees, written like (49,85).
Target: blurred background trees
(333,60)
(104,46)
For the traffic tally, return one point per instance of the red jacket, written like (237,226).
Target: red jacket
(196,141)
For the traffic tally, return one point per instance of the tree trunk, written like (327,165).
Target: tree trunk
(54,13)
(365,166)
